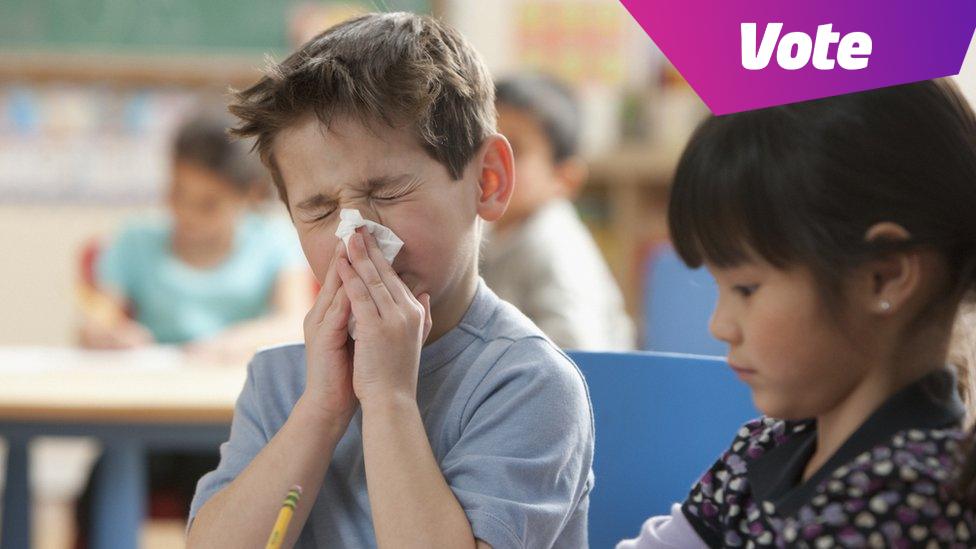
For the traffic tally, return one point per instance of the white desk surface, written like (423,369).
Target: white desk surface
(157,384)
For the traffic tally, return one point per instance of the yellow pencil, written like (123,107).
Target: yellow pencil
(284,517)
(99,306)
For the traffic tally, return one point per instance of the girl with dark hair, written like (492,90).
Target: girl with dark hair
(842,237)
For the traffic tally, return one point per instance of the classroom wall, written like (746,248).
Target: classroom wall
(40,245)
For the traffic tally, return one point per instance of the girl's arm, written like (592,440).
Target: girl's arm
(666,531)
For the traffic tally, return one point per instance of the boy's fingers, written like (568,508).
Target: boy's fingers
(428,320)
(360,300)
(374,283)
(338,311)
(331,283)
(398,290)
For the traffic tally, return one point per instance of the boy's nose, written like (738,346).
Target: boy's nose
(366,210)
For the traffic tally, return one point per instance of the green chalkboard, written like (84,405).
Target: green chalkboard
(157,26)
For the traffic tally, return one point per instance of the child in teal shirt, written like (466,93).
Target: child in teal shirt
(212,275)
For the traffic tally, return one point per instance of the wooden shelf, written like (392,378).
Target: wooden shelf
(644,164)
(200,70)
(636,179)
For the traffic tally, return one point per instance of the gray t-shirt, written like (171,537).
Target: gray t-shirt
(507,415)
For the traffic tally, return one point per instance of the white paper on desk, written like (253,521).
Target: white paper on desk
(34,360)
(388,242)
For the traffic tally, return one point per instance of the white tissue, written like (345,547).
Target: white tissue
(350,220)
(388,242)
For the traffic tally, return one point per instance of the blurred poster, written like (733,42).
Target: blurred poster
(81,143)
(581,41)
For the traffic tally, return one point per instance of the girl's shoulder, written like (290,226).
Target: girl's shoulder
(900,492)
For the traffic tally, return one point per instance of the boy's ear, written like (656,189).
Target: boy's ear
(496,177)
(896,277)
(572,173)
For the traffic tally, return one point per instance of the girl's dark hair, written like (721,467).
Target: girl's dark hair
(203,140)
(801,184)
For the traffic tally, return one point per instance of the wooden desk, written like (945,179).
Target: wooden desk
(131,401)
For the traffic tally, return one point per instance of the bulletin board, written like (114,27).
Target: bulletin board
(92,91)
(581,41)
(153,26)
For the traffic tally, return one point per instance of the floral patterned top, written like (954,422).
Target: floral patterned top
(891,484)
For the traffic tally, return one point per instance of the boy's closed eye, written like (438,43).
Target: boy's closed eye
(391,192)
(388,197)
(316,215)
(322,216)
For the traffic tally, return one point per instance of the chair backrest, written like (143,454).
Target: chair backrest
(661,421)
(87,258)
(678,302)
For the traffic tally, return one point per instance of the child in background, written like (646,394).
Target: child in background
(469,427)
(539,256)
(842,237)
(212,275)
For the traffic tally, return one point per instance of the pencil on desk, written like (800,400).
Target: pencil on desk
(284,517)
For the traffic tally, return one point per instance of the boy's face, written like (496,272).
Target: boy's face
(204,206)
(386,175)
(538,178)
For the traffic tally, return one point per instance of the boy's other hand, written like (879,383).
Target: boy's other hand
(328,387)
(391,324)
(124,334)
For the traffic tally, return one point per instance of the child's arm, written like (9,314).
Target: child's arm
(411,502)
(242,514)
(289,303)
(104,324)
(663,532)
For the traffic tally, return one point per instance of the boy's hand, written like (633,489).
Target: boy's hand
(124,334)
(328,387)
(391,324)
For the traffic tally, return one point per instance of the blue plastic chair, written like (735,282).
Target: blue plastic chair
(678,302)
(661,421)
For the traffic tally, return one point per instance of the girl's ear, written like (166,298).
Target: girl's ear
(896,277)
(496,177)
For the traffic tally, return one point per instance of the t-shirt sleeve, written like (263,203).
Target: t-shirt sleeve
(522,464)
(247,438)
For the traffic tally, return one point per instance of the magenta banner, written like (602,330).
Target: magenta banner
(747,54)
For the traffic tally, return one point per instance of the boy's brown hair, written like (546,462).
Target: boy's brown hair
(398,69)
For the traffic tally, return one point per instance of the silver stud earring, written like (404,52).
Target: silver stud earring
(885,305)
